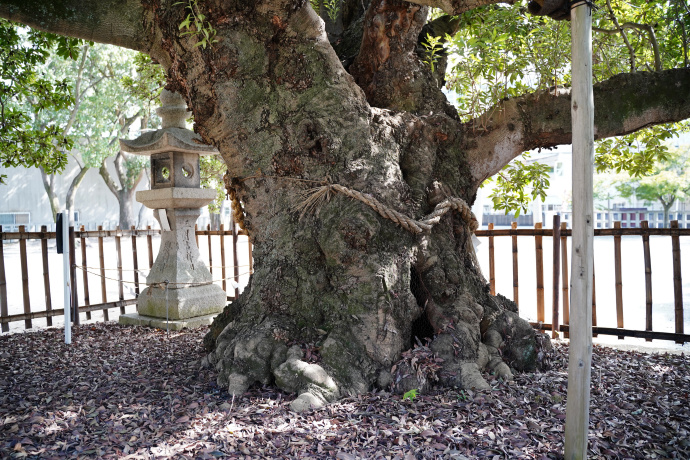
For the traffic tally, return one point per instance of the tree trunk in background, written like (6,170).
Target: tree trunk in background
(49,186)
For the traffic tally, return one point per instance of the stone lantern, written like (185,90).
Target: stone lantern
(180,292)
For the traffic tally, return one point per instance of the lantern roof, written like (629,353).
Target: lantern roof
(173,136)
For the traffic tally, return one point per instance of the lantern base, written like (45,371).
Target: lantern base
(181,304)
(135,319)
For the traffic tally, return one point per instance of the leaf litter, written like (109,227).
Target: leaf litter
(137,393)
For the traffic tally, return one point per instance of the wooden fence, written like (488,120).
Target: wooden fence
(223,272)
(560,266)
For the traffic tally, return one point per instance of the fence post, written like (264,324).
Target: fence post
(647,275)
(556,272)
(73,275)
(513,227)
(492,275)
(566,278)
(149,243)
(46,274)
(210,253)
(85,275)
(25,276)
(594,298)
(539,258)
(120,283)
(4,307)
(135,260)
(235,259)
(677,278)
(222,256)
(619,278)
(104,294)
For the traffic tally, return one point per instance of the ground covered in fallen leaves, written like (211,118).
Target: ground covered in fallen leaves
(138,393)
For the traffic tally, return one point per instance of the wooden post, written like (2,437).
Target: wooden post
(539,258)
(647,275)
(594,297)
(120,283)
(135,261)
(566,277)
(149,243)
(85,275)
(196,235)
(104,296)
(222,255)
(619,277)
(4,308)
(492,268)
(46,273)
(516,295)
(556,274)
(677,278)
(73,275)
(25,276)
(210,253)
(580,349)
(235,259)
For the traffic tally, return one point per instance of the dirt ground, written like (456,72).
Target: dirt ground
(138,393)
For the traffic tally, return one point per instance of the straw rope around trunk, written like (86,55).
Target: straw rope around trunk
(314,198)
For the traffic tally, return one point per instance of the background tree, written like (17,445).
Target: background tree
(669,182)
(348,159)
(22,55)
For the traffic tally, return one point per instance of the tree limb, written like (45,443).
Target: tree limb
(117,22)
(623,104)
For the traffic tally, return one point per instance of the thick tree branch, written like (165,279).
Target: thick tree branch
(623,104)
(117,22)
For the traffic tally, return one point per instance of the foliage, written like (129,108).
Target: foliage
(517,182)
(23,80)
(332,8)
(212,170)
(501,51)
(196,24)
(668,182)
(434,47)
(411,394)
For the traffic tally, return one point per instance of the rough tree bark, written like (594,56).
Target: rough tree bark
(355,288)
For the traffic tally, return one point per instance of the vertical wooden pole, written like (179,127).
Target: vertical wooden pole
(492,269)
(46,273)
(73,275)
(25,275)
(85,275)
(539,258)
(104,295)
(594,297)
(677,278)
(516,295)
(149,243)
(619,276)
(222,255)
(235,258)
(580,349)
(210,253)
(556,274)
(647,275)
(135,261)
(251,257)
(196,235)
(4,308)
(566,277)
(120,284)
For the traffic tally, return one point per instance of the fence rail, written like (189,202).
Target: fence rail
(560,260)
(215,239)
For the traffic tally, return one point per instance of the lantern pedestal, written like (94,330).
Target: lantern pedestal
(180,291)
